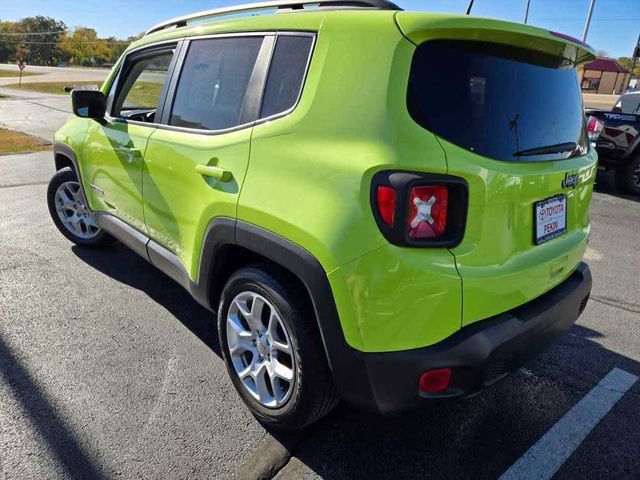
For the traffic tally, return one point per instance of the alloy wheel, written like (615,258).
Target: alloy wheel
(260,349)
(73,212)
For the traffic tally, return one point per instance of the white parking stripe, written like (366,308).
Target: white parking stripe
(544,458)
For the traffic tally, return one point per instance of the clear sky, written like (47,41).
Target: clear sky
(614,28)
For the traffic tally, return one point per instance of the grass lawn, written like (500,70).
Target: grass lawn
(144,94)
(46,87)
(17,142)
(16,73)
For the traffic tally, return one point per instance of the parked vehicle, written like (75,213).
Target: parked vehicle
(382,206)
(618,143)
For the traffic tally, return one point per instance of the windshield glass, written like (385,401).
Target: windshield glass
(501,102)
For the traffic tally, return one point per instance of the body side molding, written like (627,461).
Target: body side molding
(128,235)
(153,252)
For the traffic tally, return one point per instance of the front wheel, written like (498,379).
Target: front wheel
(70,213)
(272,348)
(628,176)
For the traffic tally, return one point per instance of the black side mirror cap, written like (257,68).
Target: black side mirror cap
(89,103)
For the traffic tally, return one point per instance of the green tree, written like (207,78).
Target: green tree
(79,47)
(22,53)
(8,41)
(42,37)
(38,38)
(45,41)
(83,47)
(627,62)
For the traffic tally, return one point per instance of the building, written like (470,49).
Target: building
(604,75)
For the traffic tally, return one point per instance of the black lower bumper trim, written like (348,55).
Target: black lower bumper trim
(479,354)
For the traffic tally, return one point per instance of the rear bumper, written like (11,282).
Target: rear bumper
(479,354)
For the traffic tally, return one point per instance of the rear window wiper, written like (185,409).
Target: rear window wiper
(557,148)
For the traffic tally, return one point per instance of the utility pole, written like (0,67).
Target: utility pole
(526,12)
(586,25)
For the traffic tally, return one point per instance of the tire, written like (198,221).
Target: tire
(628,176)
(311,393)
(65,200)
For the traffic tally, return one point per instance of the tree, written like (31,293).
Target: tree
(627,62)
(38,38)
(22,53)
(79,47)
(8,41)
(83,47)
(42,40)
(45,41)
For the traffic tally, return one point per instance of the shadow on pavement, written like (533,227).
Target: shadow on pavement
(44,416)
(606,184)
(483,436)
(474,438)
(123,265)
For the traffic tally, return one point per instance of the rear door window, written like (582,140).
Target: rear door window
(286,74)
(501,102)
(213,83)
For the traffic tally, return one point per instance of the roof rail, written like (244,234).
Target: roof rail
(274,4)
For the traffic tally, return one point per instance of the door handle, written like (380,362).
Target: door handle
(215,172)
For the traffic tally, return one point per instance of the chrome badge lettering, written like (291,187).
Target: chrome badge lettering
(570,180)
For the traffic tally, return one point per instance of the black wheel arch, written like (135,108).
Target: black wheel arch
(633,149)
(222,239)
(64,157)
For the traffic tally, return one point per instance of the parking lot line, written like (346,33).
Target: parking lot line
(544,458)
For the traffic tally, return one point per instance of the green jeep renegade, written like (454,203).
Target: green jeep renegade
(382,206)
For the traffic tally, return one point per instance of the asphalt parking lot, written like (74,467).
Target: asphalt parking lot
(109,369)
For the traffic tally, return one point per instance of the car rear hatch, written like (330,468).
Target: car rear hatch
(504,101)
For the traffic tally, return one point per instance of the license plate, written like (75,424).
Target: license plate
(550,218)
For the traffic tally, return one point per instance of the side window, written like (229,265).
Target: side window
(138,93)
(213,82)
(630,102)
(286,74)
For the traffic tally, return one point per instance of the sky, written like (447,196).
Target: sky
(614,28)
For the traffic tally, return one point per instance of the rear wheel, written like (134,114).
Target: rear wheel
(272,350)
(70,213)
(628,176)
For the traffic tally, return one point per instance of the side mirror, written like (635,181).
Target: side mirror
(88,104)
(617,109)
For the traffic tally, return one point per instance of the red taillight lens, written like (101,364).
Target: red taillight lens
(434,381)
(427,212)
(386,199)
(594,128)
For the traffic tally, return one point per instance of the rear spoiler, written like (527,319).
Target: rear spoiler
(422,27)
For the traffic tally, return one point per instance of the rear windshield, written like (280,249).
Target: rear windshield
(500,102)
